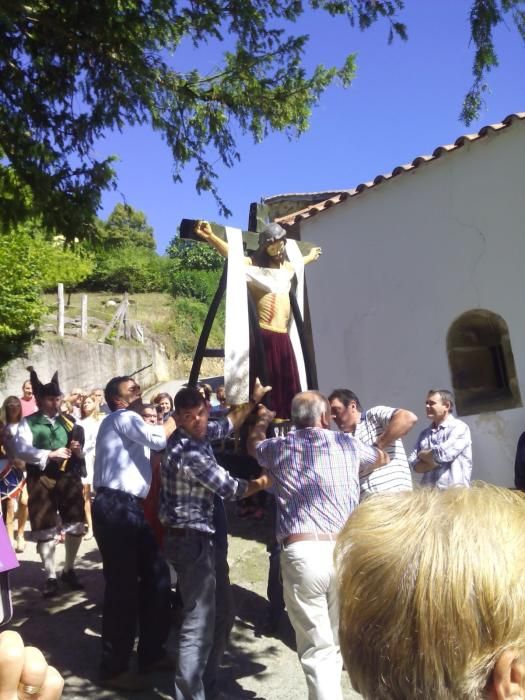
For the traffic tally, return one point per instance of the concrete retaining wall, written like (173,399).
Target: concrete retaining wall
(86,364)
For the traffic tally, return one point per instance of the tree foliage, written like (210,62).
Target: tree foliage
(124,256)
(129,269)
(485,15)
(195,284)
(71,70)
(195,269)
(31,262)
(126,226)
(20,288)
(62,263)
(191,255)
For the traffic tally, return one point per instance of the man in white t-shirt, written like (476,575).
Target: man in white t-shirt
(383,427)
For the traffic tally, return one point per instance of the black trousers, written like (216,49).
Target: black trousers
(137,592)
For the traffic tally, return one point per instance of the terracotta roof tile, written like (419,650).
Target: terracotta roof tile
(440,151)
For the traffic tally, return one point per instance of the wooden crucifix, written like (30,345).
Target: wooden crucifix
(271,342)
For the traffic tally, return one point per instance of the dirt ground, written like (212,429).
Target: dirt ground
(67,628)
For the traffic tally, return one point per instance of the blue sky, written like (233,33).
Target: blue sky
(404,102)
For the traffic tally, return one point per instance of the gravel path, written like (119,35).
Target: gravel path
(67,628)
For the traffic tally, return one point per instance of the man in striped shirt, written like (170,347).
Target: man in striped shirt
(383,427)
(316,480)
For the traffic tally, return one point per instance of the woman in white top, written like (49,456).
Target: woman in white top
(90,420)
(12,479)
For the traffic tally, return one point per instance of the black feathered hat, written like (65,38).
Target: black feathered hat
(39,389)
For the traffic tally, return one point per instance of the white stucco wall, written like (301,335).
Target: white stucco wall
(402,261)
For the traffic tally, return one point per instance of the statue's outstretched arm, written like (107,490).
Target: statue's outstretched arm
(204,231)
(313,255)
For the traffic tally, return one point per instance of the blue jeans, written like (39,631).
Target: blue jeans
(224,619)
(137,583)
(224,605)
(192,555)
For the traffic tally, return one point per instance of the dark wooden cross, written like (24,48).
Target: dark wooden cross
(250,238)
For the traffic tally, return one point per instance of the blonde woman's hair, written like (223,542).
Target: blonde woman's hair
(96,410)
(432,591)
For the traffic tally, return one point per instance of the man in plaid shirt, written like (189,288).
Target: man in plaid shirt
(316,482)
(190,479)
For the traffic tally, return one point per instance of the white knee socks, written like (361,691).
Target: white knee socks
(71,544)
(47,555)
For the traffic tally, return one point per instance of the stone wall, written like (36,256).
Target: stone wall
(86,364)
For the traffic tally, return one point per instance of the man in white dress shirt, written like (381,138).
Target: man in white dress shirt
(136,574)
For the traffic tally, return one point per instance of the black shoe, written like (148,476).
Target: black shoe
(272,624)
(50,588)
(70,578)
(165,663)
(126,681)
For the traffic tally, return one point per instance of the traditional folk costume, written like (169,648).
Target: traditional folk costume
(54,487)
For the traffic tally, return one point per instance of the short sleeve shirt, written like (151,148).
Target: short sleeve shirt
(394,476)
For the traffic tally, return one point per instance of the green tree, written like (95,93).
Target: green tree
(60,262)
(195,284)
(189,255)
(194,270)
(130,269)
(71,70)
(20,287)
(32,261)
(129,227)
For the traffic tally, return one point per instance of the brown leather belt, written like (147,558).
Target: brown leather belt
(309,537)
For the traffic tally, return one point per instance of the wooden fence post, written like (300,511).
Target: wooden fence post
(116,318)
(83,316)
(60,313)
(125,318)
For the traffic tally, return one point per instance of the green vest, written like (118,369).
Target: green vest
(47,436)
(51,437)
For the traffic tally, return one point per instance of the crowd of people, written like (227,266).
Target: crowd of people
(144,480)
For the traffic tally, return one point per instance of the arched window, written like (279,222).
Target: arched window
(482,364)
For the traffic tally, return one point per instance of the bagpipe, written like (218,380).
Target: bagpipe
(75,432)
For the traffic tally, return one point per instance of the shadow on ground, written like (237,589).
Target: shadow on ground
(67,628)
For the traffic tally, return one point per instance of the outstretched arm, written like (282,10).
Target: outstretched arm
(313,255)
(238,414)
(258,430)
(204,231)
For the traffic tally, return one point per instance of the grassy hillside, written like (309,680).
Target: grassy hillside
(176,323)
